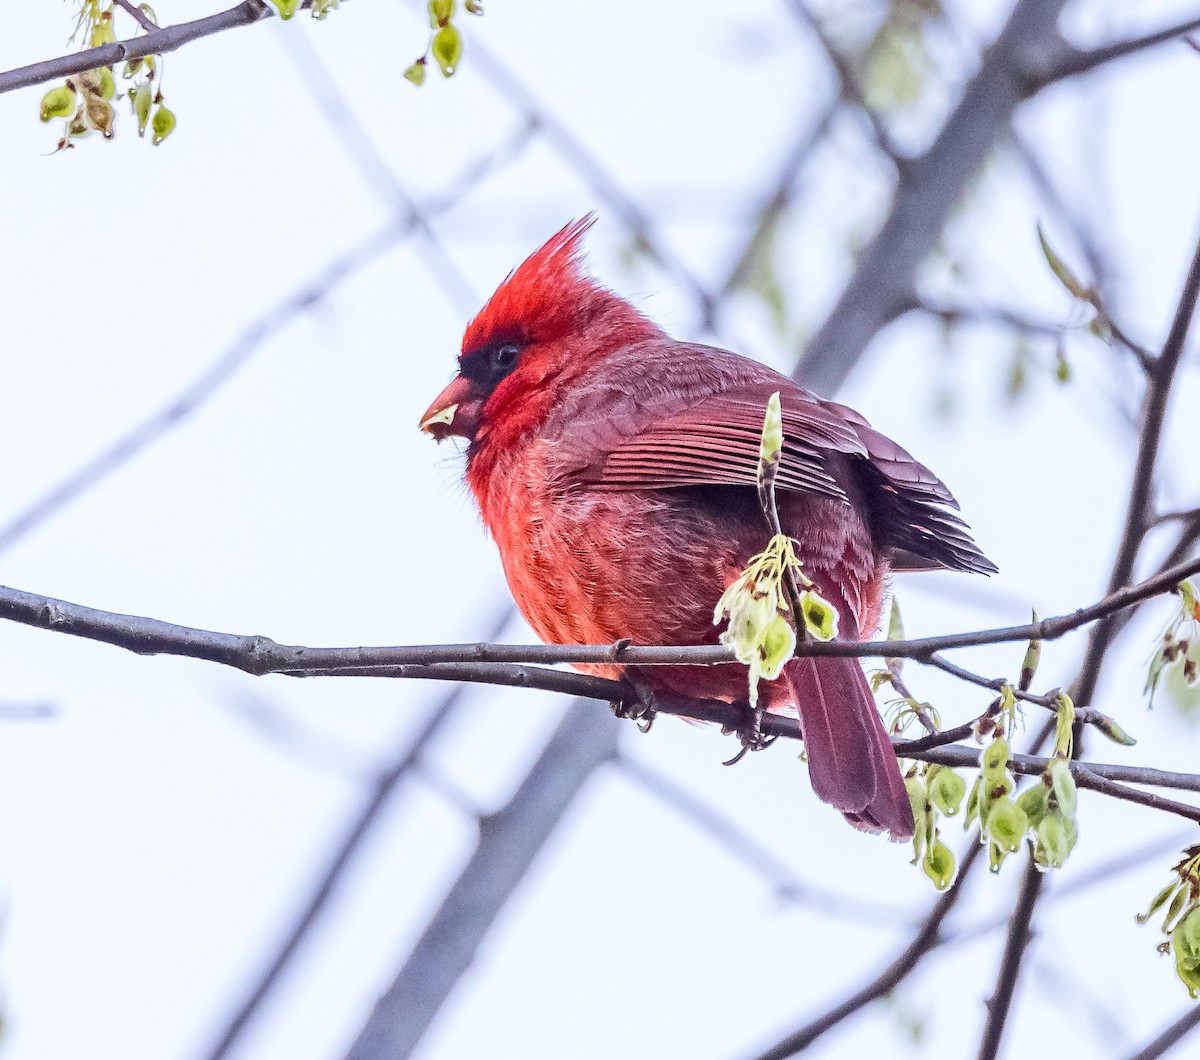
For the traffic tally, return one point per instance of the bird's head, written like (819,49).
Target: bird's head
(546,323)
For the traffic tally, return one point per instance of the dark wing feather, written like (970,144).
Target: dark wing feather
(715,441)
(704,430)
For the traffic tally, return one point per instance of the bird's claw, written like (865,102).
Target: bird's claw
(751,735)
(642,708)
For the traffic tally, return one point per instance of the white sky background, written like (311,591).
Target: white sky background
(154,845)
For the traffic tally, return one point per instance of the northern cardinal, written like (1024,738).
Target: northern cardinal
(616,468)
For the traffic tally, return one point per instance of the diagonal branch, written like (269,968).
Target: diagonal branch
(1076,61)
(162,39)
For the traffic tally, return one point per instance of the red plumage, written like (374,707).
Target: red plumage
(616,468)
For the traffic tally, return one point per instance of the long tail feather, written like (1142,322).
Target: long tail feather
(850,759)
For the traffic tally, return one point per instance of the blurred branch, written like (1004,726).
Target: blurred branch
(739,844)
(1170,1037)
(509,841)
(385,785)
(1072,61)
(850,90)
(892,976)
(160,40)
(883,284)
(1019,933)
(235,357)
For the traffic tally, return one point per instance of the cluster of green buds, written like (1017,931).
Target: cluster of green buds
(445,43)
(773,585)
(1182,923)
(85,100)
(1180,646)
(934,791)
(759,631)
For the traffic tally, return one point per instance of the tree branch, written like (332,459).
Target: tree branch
(1171,1036)
(160,40)
(509,841)
(1076,61)
(1018,938)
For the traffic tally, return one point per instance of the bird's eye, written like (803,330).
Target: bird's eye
(505,356)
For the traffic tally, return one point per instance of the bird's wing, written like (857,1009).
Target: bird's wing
(713,440)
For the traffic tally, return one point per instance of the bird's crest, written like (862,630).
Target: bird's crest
(548,295)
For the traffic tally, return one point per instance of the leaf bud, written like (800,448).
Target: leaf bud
(1007,823)
(939,864)
(58,103)
(447,49)
(161,125)
(946,791)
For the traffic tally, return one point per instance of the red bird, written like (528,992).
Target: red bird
(616,470)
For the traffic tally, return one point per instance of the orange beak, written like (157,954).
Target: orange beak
(455,411)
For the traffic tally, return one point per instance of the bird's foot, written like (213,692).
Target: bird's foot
(642,708)
(751,735)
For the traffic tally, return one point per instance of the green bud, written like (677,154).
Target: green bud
(1112,730)
(1060,270)
(939,864)
(141,98)
(447,49)
(1064,725)
(972,803)
(1033,655)
(416,73)
(1179,903)
(1159,901)
(1007,823)
(1034,802)
(820,618)
(286,9)
(1064,786)
(946,791)
(161,125)
(131,68)
(1187,935)
(58,103)
(1062,370)
(440,12)
(771,443)
(102,33)
(474,7)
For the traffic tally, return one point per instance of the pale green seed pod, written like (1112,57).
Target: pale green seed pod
(1053,840)
(1007,824)
(141,98)
(107,83)
(939,864)
(161,125)
(946,791)
(416,73)
(1034,802)
(447,49)
(776,646)
(993,761)
(820,616)
(58,103)
(1065,793)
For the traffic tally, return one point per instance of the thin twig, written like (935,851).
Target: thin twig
(1170,1037)
(138,15)
(1075,61)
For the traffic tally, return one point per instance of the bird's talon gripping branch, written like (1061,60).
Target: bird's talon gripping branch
(642,708)
(751,735)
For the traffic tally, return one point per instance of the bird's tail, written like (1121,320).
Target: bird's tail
(850,759)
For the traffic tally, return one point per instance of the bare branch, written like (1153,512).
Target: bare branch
(895,973)
(509,840)
(883,285)
(1077,61)
(1171,1036)
(138,15)
(160,40)
(470,662)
